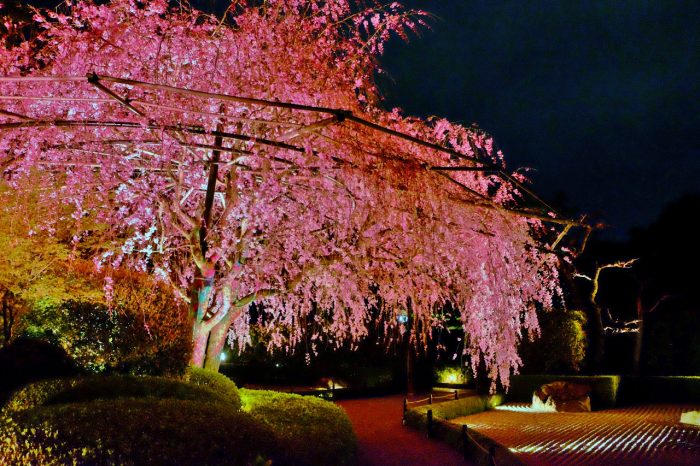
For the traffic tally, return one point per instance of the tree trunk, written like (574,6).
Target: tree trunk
(200,337)
(217,340)
(597,339)
(198,310)
(639,337)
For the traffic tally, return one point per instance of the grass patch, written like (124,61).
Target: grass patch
(312,431)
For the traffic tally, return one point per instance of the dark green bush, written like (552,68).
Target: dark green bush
(102,341)
(313,431)
(604,393)
(152,420)
(221,384)
(458,408)
(36,394)
(154,432)
(126,386)
(451,374)
(21,445)
(679,389)
(562,334)
(59,391)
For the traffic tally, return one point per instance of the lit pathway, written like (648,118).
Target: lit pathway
(384,441)
(632,436)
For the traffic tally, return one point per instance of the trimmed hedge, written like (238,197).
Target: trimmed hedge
(155,432)
(154,420)
(59,391)
(36,394)
(604,393)
(217,382)
(28,446)
(670,389)
(458,408)
(312,431)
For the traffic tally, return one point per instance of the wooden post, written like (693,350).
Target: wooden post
(430,423)
(465,441)
(430,401)
(405,408)
(456,395)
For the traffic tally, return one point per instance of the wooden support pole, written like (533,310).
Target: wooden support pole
(465,441)
(430,423)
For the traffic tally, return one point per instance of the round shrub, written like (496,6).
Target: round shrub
(36,394)
(562,333)
(154,432)
(125,386)
(36,445)
(313,431)
(217,382)
(92,388)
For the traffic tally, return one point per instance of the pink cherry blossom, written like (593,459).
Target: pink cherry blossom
(314,211)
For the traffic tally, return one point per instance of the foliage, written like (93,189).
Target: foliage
(37,394)
(36,445)
(317,223)
(303,424)
(671,340)
(101,340)
(141,422)
(221,384)
(11,310)
(154,431)
(457,408)
(604,393)
(562,334)
(120,386)
(452,374)
(35,267)
(636,390)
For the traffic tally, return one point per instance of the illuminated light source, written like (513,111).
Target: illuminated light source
(402,318)
(222,357)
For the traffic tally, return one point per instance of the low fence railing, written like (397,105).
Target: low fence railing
(466,438)
(430,399)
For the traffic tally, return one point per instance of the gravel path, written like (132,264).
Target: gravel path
(628,436)
(384,441)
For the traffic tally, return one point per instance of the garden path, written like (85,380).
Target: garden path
(383,440)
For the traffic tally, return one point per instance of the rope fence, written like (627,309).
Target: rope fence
(466,436)
(454,395)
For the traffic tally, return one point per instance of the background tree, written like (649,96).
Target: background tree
(302,195)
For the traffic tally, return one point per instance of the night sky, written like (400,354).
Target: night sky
(600,98)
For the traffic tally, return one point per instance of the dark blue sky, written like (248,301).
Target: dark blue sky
(601,98)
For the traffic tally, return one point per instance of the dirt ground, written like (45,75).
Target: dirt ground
(383,440)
